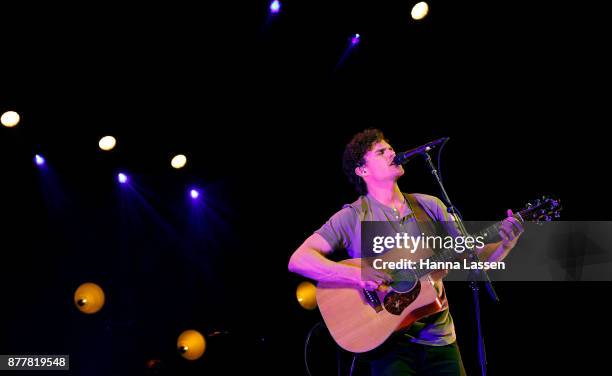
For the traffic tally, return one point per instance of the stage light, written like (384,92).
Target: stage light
(194,193)
(122,178)
(39,160)
(89,298)
(306,294)
(419,11)
(352,43)
(9,119)
(178,161)
(191,344)
(107,143)
(275,6)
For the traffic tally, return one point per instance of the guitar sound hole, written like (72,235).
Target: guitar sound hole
(403,281)
(396,302)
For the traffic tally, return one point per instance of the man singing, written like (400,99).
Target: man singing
(427,347)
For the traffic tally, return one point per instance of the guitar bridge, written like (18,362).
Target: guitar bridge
(372,299)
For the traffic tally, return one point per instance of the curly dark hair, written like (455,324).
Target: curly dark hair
(354,152)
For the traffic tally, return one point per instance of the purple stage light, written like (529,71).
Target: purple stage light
(275,6)
(122,178)
(355,39)
(194,193)
(39,160)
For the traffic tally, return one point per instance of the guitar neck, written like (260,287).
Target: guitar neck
(449,254)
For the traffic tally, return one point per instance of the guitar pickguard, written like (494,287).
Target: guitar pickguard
(395,302)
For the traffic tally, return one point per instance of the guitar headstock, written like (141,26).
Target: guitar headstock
(542,210)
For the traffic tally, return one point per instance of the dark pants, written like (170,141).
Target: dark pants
(400,357)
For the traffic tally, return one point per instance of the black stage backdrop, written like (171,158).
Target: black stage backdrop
(263,106)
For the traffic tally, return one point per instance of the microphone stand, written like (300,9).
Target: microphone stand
(473,279)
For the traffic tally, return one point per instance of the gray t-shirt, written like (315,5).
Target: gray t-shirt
(343,231)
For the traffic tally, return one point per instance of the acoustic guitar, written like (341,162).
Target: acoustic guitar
(361,320)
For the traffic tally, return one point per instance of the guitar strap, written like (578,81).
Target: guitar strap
(424,222)
(427,227)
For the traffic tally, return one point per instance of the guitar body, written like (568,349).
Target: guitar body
(358,326)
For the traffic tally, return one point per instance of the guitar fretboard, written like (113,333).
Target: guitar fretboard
(449,254)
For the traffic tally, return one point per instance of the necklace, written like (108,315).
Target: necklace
(398,208)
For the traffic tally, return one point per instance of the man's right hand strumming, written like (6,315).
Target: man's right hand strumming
(372,279)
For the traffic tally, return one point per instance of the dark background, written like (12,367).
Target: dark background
(263,109)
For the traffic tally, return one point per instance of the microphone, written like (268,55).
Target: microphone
(404,157)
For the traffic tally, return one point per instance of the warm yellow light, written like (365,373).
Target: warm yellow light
(179,161)
(419,11)
(89,298)
(107,143)
(306,294)
(10,119)
(191,344)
